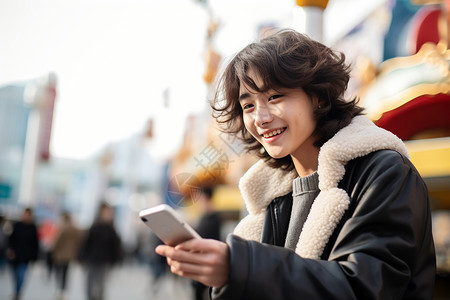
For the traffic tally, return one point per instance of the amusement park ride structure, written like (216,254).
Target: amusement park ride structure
(410,96)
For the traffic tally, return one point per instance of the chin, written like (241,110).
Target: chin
(276,155)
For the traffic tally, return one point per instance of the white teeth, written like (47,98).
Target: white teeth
(275,132)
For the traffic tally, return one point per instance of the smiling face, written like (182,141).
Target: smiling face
(282,121)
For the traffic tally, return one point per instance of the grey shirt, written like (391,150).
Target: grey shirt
(305,190)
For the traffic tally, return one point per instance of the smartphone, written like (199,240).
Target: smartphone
(167,225)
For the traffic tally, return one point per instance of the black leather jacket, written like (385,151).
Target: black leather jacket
(382,248)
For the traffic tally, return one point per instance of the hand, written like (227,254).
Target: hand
(203,260)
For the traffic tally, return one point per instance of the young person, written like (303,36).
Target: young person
(23,248)
(65,250)
(336,209)
(100,249)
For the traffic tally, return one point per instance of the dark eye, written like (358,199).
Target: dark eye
(247,106)
(274,97)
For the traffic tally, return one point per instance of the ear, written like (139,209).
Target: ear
(316,103)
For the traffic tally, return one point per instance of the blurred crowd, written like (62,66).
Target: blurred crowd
(98,248)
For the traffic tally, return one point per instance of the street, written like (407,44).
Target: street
(126,282)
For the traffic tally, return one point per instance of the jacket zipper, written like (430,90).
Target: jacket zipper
(274,213)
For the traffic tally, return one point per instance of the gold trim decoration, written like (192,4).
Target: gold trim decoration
(429,53)
(320,3)
(402,79)
(397,100)
(425,2)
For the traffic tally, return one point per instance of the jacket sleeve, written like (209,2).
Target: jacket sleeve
(382,246)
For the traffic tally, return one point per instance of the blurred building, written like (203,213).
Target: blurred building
(26,111)
(14,118)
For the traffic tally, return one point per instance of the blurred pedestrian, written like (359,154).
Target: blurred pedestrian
(99,251)
(3,244)
(23,245)
(208,227)
(47,231)
(65,250)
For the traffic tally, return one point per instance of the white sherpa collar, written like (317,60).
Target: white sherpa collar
(261,184)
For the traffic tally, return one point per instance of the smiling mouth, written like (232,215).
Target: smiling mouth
(274,133)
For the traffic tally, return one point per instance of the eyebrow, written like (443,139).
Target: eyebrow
(243,96)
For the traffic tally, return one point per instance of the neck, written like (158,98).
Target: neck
(306,163)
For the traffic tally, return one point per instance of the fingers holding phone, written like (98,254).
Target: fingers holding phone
(188,255)
(203,260)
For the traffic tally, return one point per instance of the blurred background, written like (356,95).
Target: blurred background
(106,102)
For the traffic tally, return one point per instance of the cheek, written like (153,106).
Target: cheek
(249,124)
(251,128)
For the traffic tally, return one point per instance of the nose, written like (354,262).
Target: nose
(263,115)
